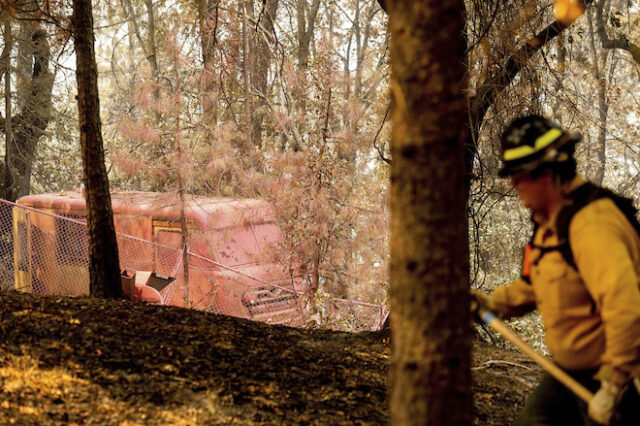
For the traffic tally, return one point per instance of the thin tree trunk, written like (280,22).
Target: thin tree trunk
(149,46)
(246,69)
(24,60)
(262,59)
(347,67)
(208,19)
(104,267)
(306,23)
(151,39)
(599,60)
(184,230)
(6,68)
(371,12)
(431,325)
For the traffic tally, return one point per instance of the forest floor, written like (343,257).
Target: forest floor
(89,361)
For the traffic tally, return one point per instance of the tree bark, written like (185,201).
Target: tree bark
(24,59)
(262,62)
(148,46)
(6,70)
(28,126)
(306,19)
(104,267)
(599,62)
(620,42)
(246,69)
(306,24)
(208,19)
(362,39)
(431,331)
(184,230)
(151,39)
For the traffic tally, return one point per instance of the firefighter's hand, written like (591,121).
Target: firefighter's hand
(480,300)
(603,403)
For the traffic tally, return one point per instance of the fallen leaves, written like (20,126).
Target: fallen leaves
(112,362)
(75,361)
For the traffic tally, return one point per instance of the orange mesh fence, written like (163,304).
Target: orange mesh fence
(6,246)
(45,253)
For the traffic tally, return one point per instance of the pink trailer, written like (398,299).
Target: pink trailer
(233,264)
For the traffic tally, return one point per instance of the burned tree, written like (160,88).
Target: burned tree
(431,334)
(104,264)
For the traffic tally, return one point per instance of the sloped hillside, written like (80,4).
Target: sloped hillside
(89,361)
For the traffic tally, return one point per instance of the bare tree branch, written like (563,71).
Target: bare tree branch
(622,42)
(375,145)
(489,90)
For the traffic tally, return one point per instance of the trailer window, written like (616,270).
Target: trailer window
(72,241)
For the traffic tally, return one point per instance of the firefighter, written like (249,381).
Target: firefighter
(581,272)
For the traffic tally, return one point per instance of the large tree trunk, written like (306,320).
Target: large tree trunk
(431,324)
(104,267)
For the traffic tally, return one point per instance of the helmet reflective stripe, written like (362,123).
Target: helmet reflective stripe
(524,150)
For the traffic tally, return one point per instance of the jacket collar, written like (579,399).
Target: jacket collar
(573,184)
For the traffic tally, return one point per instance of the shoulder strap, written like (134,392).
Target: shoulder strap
(525,270)
(579,198)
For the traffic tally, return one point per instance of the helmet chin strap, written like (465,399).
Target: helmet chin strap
(560,186)
(554,203)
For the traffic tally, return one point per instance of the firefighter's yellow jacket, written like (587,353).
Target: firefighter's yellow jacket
(591,317)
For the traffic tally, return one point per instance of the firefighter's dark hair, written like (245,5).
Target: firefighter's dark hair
(564,170)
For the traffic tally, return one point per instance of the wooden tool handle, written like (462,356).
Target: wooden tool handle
(549,366)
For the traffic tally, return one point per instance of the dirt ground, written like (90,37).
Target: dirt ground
(88,361)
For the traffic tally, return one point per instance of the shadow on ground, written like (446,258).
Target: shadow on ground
(91,361)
